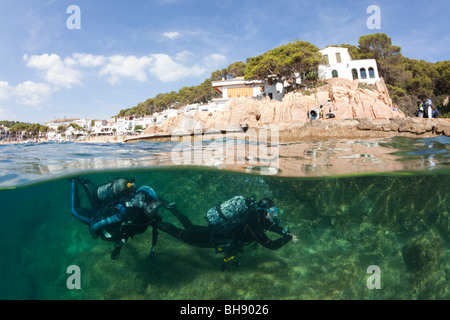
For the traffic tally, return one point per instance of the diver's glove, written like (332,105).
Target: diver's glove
(167,204)
(94,233)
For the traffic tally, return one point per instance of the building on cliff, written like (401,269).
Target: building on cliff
(339,64)
(238,87)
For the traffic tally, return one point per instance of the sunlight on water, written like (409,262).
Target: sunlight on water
(395,218)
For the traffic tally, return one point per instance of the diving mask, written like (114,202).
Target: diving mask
(272,213)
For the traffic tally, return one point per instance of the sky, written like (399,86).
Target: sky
(92,58)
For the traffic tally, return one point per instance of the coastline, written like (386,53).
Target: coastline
(325,130)
(352,128)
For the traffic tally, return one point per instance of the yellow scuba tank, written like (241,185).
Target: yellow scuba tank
(114,189)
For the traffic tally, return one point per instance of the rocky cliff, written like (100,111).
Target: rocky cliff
(360,111)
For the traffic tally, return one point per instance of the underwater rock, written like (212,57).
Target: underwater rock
(423,252)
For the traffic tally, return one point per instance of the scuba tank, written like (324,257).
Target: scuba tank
(112,190)
(228,210)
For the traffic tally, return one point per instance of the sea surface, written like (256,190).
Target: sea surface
(371,216)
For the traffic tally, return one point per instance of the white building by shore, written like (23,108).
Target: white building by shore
(341,65)
(239,87)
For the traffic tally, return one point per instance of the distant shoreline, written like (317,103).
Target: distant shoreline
(317,130)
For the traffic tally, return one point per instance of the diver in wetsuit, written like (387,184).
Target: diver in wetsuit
(126,213)
(230,237)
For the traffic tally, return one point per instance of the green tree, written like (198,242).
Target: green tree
(33,129)
(18,128)
(75,126)
(234,70)
(423,77)
(353,50)
(389,58)
(43,128)
(237,69)
(284,62)
(443,81)
(61,129)
(216,75)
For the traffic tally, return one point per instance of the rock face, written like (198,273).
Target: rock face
(365,128)
(356,106)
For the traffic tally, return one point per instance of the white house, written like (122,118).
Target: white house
(209,107)
(84,123)
(53,125)
(104,127)
(339,64)
(124,125)
(159,117)
(238,87)
(4,132)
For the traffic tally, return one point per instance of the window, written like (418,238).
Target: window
(371,73)
(334,73)
(338,57)
(363,73)
(355,74)
(326,61)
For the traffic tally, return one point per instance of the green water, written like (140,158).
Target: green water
(399,223)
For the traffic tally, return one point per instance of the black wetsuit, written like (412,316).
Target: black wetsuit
(252,229)
(115,222)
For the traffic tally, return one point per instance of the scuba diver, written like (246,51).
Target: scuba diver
(420,112)
(231,228)
(429,109)
(118,211)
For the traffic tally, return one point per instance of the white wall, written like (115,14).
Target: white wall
(366,65)
(345,67)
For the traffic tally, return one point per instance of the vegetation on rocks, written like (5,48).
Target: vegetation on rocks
(407,80)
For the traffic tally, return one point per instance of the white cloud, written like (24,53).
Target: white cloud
(5,114)
(86,60)
(215,60)
(172,35)
(165,69)
(183,55)
(5,90)
(68,72)
(29,93)
(54,70)
(126,66)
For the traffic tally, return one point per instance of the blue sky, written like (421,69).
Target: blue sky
(127,51)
